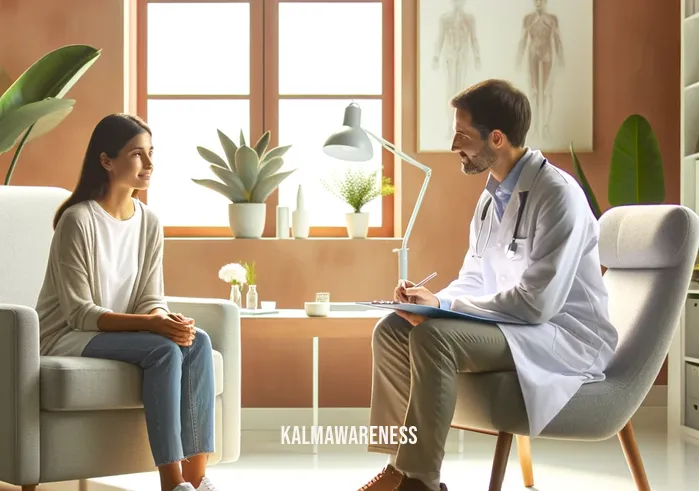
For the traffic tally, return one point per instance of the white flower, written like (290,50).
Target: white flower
(233,274)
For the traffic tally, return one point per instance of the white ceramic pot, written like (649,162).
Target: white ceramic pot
(357,225)
(247,220)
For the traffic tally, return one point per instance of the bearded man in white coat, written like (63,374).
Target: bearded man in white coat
(532,267)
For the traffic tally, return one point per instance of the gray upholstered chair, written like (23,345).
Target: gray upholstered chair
(72,418)
(649,252)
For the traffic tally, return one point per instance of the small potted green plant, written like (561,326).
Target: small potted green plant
(248,176)
(357,187)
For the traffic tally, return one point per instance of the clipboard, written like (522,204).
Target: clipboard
(431,312)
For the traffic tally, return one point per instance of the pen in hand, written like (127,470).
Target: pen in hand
(421,283)
(426,279)
(402,282)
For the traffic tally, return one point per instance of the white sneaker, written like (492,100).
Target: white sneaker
(207,485)
(185,486)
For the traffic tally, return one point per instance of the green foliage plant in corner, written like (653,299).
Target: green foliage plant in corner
(248,175)
(34,105)
(636,172)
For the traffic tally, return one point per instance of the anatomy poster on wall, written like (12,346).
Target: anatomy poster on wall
(544,47)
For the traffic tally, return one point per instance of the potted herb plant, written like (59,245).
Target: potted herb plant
(248,175)
(357,187)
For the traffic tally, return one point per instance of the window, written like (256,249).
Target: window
(287,66)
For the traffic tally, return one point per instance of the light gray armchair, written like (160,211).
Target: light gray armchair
(649,251)
(72,418)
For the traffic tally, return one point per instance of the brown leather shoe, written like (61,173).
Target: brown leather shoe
(408,484)
(386,480)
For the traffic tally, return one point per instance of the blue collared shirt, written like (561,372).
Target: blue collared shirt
(502,191)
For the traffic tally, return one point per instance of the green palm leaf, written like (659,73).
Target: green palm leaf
(51,76)
(44,115)
(33,105)
(636,174)
(591,200)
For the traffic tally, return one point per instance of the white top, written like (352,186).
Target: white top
(117,263)
(71,298)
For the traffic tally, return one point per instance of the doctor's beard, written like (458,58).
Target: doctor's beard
(484,160)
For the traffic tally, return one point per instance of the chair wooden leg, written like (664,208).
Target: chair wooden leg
(524,450)
(633,457)
(29,487)
(502,453)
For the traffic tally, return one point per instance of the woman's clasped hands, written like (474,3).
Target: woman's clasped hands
(176,327)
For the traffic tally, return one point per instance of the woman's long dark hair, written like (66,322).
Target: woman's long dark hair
(109,136)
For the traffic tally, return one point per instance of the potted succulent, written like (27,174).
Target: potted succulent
(248,176)
(356,187)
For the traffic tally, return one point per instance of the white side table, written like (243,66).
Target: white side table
(294,323)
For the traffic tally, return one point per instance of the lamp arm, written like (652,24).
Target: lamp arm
(392,148)
(403,251)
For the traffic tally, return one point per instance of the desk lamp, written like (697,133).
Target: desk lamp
(351,143)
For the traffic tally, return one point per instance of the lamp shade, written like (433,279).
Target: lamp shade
(350,142)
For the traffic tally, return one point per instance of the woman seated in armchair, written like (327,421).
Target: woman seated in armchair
(103,297)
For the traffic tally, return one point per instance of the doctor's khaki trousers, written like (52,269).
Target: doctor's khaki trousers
(414,381)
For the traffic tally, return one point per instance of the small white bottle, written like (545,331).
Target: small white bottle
(282,222)
(251,298)
(300,220)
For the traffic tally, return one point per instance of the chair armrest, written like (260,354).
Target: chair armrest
(221,321)
(19,395)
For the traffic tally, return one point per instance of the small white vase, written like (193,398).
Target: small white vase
(236,296)
(300,224)
(247,220)
(357,225)
(300,218)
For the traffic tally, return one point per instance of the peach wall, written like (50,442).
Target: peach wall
(31,28)
(636,70)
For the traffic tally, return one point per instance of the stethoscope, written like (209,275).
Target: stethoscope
(511,249)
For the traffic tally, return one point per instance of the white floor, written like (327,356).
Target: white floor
(266,464)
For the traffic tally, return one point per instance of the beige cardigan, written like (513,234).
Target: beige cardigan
(69,303)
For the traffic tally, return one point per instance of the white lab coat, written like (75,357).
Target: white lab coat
(553,285)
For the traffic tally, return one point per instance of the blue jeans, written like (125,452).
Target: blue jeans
(178,389)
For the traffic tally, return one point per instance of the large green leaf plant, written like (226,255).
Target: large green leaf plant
(34,105)
(247,174)
(636,172)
